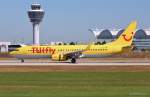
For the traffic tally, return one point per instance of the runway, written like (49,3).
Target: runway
(82,65)
(70,64)
(80,62)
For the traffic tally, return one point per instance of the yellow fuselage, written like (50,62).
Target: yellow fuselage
(48,51)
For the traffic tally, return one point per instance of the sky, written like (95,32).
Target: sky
(69,20)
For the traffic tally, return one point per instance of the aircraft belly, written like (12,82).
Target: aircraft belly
(95,55)
(31,56)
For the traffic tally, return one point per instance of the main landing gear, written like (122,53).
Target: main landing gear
(73,60)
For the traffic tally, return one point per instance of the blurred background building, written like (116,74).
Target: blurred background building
(141,39)
(4,46)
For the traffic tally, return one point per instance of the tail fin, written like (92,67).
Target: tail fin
(127,36)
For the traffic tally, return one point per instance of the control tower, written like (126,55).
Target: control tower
(36,15)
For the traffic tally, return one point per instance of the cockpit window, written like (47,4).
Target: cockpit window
(11,50)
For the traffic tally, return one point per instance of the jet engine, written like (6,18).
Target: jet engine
(59,57)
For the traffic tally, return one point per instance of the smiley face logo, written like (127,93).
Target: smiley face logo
(128,38)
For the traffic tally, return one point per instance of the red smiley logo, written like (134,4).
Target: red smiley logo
(128,39)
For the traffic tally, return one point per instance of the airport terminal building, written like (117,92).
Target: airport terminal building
(141,39)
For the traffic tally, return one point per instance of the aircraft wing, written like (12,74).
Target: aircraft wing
(76,54)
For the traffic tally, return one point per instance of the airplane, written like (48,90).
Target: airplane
(73,52)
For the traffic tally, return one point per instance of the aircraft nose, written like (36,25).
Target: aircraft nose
(12,52)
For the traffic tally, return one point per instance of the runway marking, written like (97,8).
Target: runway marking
(70,64)
(80,63)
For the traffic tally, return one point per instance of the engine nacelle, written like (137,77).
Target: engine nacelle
(59,57)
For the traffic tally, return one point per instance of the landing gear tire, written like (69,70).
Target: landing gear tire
(73,60)
(22,60)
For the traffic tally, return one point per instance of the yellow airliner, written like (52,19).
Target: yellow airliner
(66,52)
